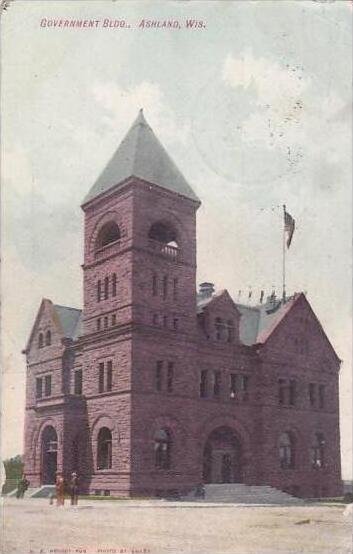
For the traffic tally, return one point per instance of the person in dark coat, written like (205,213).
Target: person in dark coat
(60,490)
(22,486)
(74,489)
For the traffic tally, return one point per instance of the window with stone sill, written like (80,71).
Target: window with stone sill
(286,451)
(162,449)
(104,449)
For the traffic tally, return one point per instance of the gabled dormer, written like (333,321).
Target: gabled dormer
(218,315)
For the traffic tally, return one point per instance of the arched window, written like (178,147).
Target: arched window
(230,331)
(99,291)
(108,234)
(286,451)
(104,449)
(165,239)
(106,288)
(318,451)
(48,338)
(162,449)
(114,284)
(40,340)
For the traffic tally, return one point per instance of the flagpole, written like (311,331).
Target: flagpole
(284,256)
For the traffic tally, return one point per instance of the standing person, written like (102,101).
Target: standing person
(74,488)
(60,490)
(22,486)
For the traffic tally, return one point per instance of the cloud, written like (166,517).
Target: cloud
(122,104)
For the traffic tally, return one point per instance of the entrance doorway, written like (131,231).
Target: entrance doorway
(222,457)
(49,455)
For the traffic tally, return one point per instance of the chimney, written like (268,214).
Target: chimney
(206,290)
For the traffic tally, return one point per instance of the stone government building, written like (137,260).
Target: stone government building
(152,387)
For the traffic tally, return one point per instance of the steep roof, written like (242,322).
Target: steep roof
(141,155)
(257,322)
(70,320)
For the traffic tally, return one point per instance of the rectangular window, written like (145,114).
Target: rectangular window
(99,291)
(78,382)
(165,287)
(101,378)
(292,392)
(170,377)
(154,285)
(175,289)
(47,385)
(216,383)
(113,320)
(98,324)
(244,382)
(109,375)
(203,384)
(39,387)
(175,323)
(233,385)
(281,391)
(106,288)
(312,394)
(321,396)
(159,376)
(105,323)
(165,321)
(114,284)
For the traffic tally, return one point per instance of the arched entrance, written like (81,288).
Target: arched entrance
(49,455)
(222,457)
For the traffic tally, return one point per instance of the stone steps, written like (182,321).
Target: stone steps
(244,494)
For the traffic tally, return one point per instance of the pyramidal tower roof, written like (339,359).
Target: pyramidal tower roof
(141,155)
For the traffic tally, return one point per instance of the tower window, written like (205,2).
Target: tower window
(203,383)
(101,378)
(106,288)
(108,234)
(170,377)
(233,385)
(78,382)
(154,285)
(48,338)
(39,387)
(230,330)
(47,385)
(109,375)
(40,340)
(159,376)
(99,291)
(165,287)
(114,284)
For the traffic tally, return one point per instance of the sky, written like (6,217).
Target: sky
(254,106)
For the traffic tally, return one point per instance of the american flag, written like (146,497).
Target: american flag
(289,226)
